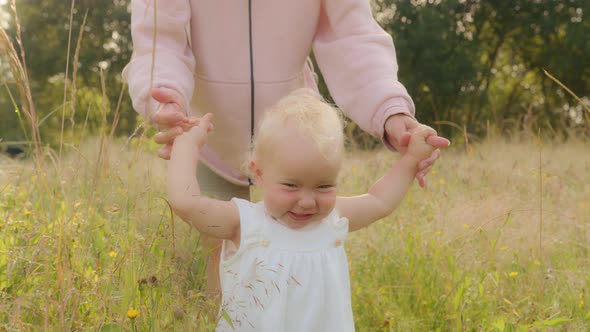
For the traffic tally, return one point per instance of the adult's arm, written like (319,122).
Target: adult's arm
(358,61)
(162,56)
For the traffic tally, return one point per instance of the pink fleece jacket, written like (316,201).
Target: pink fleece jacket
(202,50)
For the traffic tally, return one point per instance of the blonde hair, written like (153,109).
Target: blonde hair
(305,111)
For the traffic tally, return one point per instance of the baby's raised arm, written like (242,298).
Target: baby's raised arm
(387,193)
(214,217)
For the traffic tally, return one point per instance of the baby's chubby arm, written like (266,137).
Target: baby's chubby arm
(387,193)
(214,217)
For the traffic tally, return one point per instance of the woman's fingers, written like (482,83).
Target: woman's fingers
(167,116)
(168,136)
(165,151)
(170,113)
(165,95)
(438,141)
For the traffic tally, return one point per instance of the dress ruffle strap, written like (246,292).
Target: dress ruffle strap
(251,216)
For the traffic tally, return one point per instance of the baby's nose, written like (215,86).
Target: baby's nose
(307,201)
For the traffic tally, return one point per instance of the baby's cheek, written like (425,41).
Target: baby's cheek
(280,197)
(328,200)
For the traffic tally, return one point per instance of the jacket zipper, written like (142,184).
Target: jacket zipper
(251,77)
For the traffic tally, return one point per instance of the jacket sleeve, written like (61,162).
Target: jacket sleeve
(167,61)
(357,59)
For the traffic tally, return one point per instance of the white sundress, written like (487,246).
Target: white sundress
(283,279)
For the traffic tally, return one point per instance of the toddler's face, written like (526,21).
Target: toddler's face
(299,184)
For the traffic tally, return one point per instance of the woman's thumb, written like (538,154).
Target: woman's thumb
(166,96)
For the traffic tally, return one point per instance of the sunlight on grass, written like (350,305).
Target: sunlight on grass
(93,245)
(464,255)
(85,248)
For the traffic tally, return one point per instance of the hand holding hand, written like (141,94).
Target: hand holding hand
(418,148)
(399,129)
(197,135)
(169,119)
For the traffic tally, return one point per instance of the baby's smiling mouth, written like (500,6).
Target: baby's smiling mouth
(300,217)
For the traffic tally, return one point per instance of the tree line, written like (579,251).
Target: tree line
(472,66)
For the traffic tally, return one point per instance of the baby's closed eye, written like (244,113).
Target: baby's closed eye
(326,187)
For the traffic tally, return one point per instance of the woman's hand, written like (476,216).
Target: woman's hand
(418,149)
(170,119)
(398,131)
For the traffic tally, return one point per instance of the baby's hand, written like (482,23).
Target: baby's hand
(418,149)
(197,135)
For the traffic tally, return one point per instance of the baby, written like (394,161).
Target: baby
(283,265)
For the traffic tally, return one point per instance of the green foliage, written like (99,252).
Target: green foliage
(83,117)
(481,62)
(94,49)
(471,66)
(9,122)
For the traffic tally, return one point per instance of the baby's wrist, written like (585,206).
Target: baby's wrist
(190,137)
(187,145)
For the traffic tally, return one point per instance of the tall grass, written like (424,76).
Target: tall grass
(86,240)
(499,242)
(463,255)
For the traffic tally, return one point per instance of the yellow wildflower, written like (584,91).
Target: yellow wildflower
(513,274)
(132,313)
(112,254)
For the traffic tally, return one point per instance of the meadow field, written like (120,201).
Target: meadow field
(500,241)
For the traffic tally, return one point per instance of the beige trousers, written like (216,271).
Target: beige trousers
(215,186)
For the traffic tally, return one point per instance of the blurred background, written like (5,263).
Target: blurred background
(473,67)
